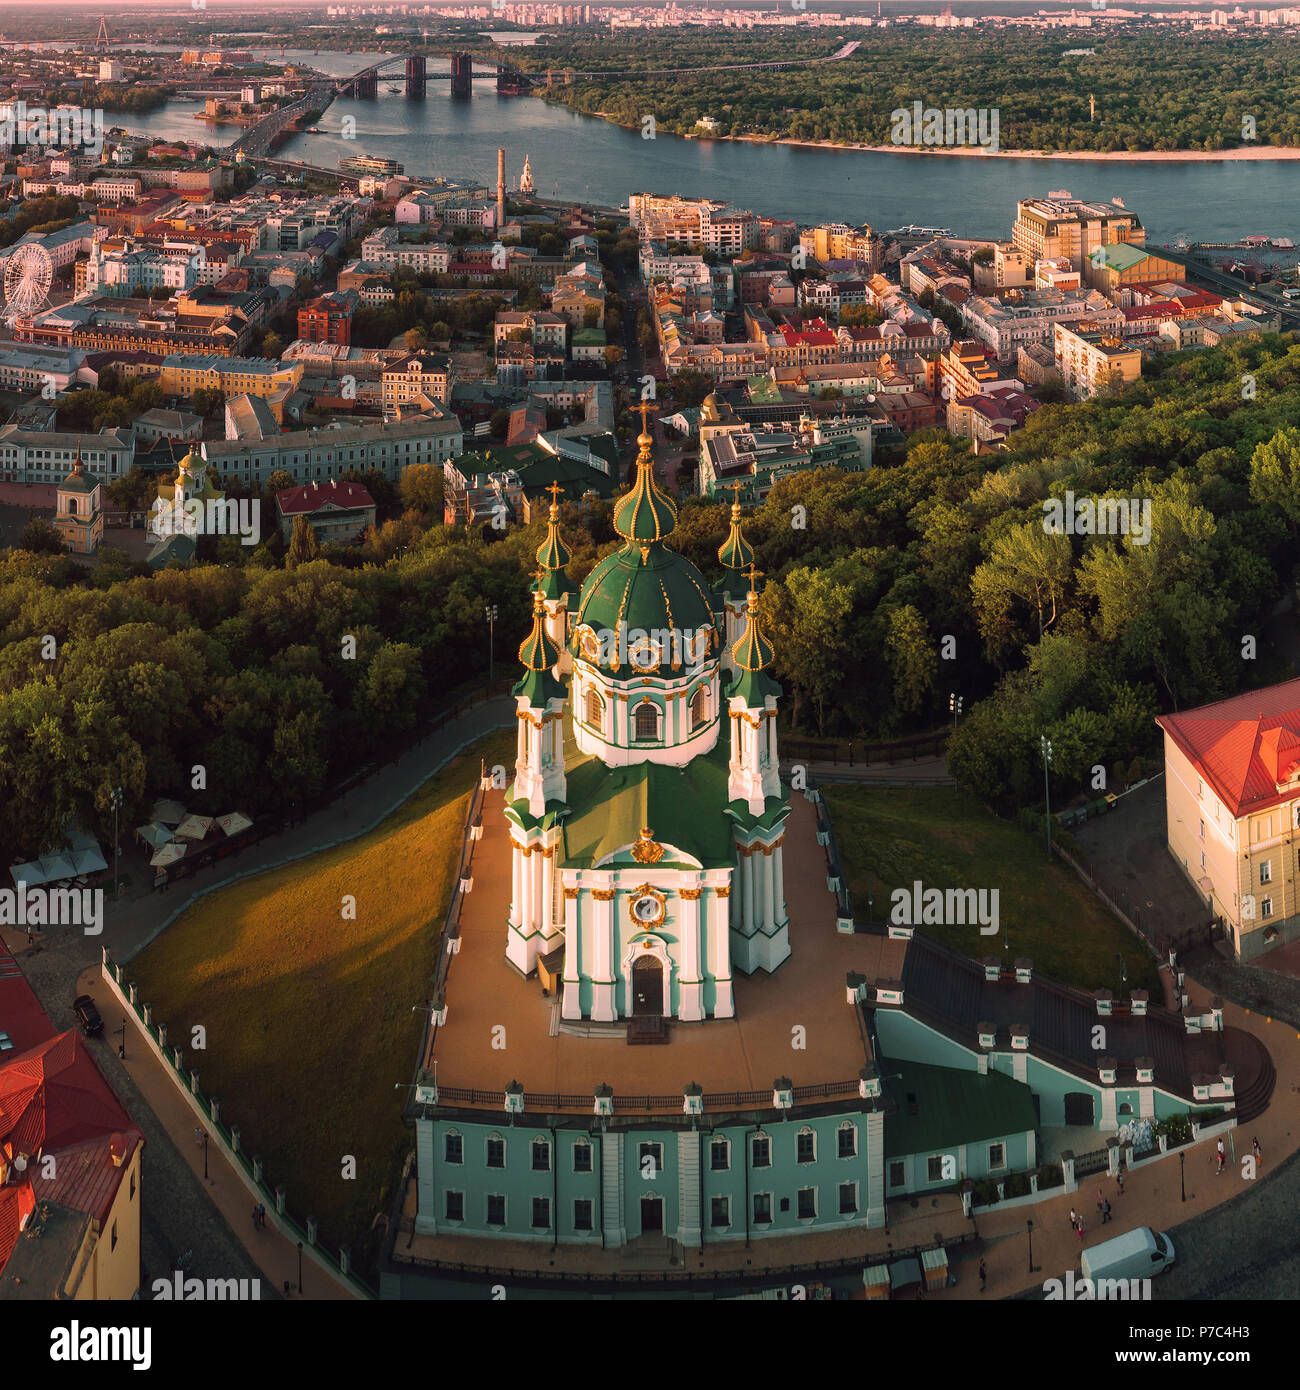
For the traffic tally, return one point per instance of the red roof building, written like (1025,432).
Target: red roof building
(69,1161)
(1232,804)
(339,512)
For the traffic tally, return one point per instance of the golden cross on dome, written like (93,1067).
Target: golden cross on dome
(755,575)
(644,408)
(556,491)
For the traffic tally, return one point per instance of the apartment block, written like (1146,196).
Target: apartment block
(1090,358)
(1063,226)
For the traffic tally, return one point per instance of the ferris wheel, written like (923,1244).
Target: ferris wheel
(29,272)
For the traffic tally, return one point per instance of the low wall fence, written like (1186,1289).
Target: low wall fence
(227,1137)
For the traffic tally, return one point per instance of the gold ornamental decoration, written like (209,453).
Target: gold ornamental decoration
(647,907)
(646,851)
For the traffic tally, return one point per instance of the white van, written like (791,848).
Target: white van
(1137,1254)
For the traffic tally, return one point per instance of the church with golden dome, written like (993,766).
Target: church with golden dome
(647,814)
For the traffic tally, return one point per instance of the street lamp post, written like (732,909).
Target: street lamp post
(1030,1229)
(1047,788)
(300,1266)
(117,806)
(954,707)
(121,1045)
(205,1157)
(490,613)
(1182,1181)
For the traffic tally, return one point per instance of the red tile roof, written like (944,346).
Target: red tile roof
(53,1095)
(313,496)
(1244,746)
(21,1015)
(17,1202)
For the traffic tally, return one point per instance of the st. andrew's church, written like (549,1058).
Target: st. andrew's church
(649,863)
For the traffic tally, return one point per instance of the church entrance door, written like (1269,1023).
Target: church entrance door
(652,1215)
(647,986)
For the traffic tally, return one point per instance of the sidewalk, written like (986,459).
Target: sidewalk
(272,1252)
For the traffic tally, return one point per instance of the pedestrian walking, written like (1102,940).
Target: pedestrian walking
(1256,1150)
(1218,1147)
(1119,1181)
(984,1277)
(1101,1201)
(256,1222)
(1105,1212)
(198,1137)
(1079,1230)
(1074,1219)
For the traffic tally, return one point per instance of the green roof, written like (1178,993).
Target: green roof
(686,807)
(646,513)
(952,1107)
(1119,256)
(763,390)
(657,590)
(589,337)
(575,479)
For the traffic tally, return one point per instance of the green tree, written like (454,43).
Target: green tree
(40,537)
(1275,475)
(912,657)
(421,489)
(303,545)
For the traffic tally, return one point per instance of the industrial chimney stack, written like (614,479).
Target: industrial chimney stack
(501,189)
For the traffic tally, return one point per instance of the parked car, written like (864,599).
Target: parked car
(87,1015)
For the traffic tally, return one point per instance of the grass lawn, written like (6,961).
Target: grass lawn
(308,1015)
(890,837)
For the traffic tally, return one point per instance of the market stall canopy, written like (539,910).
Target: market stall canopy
(168,854)
(88,861)
(169,812)
(56,866)
(234,823)
(154,834)
(194,827)
(31,874)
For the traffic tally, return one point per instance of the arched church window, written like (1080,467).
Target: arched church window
(645,722)
(595,709)
(700,707)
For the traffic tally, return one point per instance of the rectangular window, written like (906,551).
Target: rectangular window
(848,1141)
(496,1209)
(719,1156)
(760,1151)
(541,1156)
(1202,825)
(934,1168)
(131,1195)
(542,1213)
(848,1198)
(997,1156)
(1266,871)
(720,1211)
(1266,907)
(496,1153)
(455,1206)
(762,1208)
(582,1214)
(651,1160)
(582,1157)
(806,1147)
(1202,859)
(112,1237)
(896,1178)
(807,1203)
(453,1149)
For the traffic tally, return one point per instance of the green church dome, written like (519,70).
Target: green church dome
(644,585)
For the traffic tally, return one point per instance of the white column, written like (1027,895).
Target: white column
(515,883)
(747,917)
(691,1004)
(603,988)
(720,954)
(779,913)
(521,746)
(548,898)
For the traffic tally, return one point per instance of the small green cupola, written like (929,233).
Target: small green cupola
(752,655)
(539,654)
(736,555)
(553,555)
(646,514)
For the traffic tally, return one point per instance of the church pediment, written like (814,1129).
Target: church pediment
(646,851)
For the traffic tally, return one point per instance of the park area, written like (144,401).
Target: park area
(889,838)
(308,1011)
